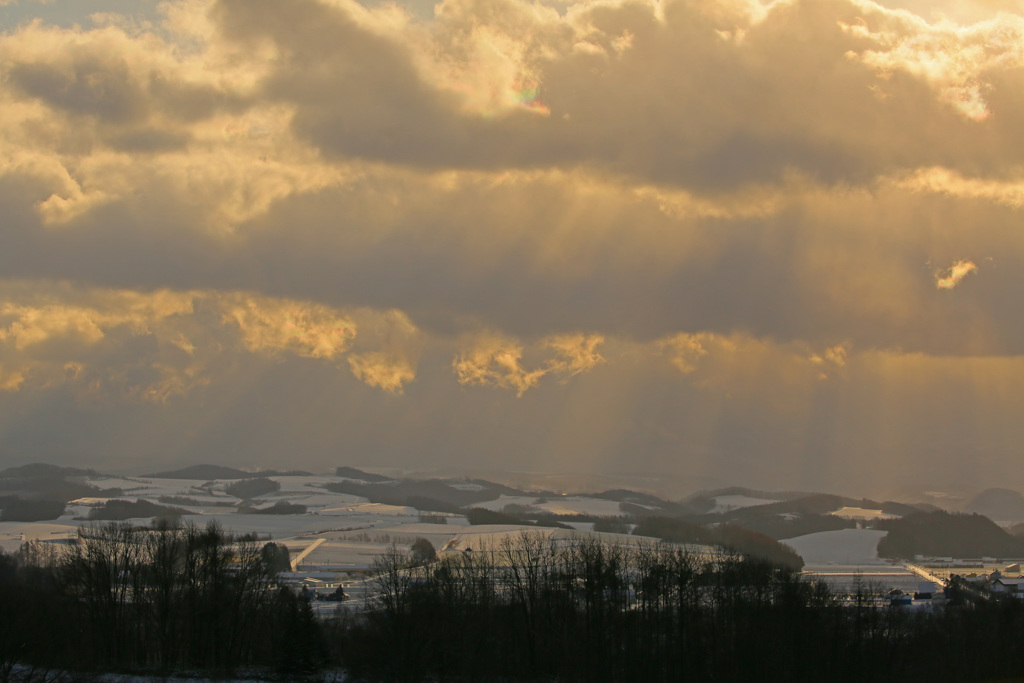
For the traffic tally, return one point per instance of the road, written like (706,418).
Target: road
(924,574)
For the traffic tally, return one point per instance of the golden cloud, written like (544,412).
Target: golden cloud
(951,277)
(493,66)
(831,360)
(275,325)
(496,360)
(50,338)
(953,60)
(58,335)
(10,381)
(98,114)
(938,180)
(382,370)
(35,325)
(684,351)
(576,353)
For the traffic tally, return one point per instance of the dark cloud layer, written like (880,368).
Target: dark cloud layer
(706,97)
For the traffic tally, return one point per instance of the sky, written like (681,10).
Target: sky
(726,242)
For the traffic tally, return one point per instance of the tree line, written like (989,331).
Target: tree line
(532,608)
(537,609)
(169,598)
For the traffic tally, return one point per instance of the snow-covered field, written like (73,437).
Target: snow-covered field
(209,502)
(849,557)
(348,531)
(842,547)
(491,537)
(558,505)
(13,534)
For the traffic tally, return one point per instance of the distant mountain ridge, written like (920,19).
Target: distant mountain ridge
(346,472)
(42,469)
(38,491)
(210,472)
(752,493)
(44,482)
(1002,505)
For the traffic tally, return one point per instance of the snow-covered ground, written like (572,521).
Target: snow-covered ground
(365,508)
(127,484)
(491,536)
(310,491)
(144,487)
(848,558)
(352,531)
(338,555)
(466,486)
(558,505)
(275,527)
(841,547)
(13,534)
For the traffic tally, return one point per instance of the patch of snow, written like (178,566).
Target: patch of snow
(127,484)
(579,505)
(285,526)
(861,513)
(728,503)
(364,508)
(465,486)
(420,528)
(558,505)
(501,501)
(490,536)
(312,498)
(13,534)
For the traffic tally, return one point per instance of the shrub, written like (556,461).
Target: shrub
(422,552)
